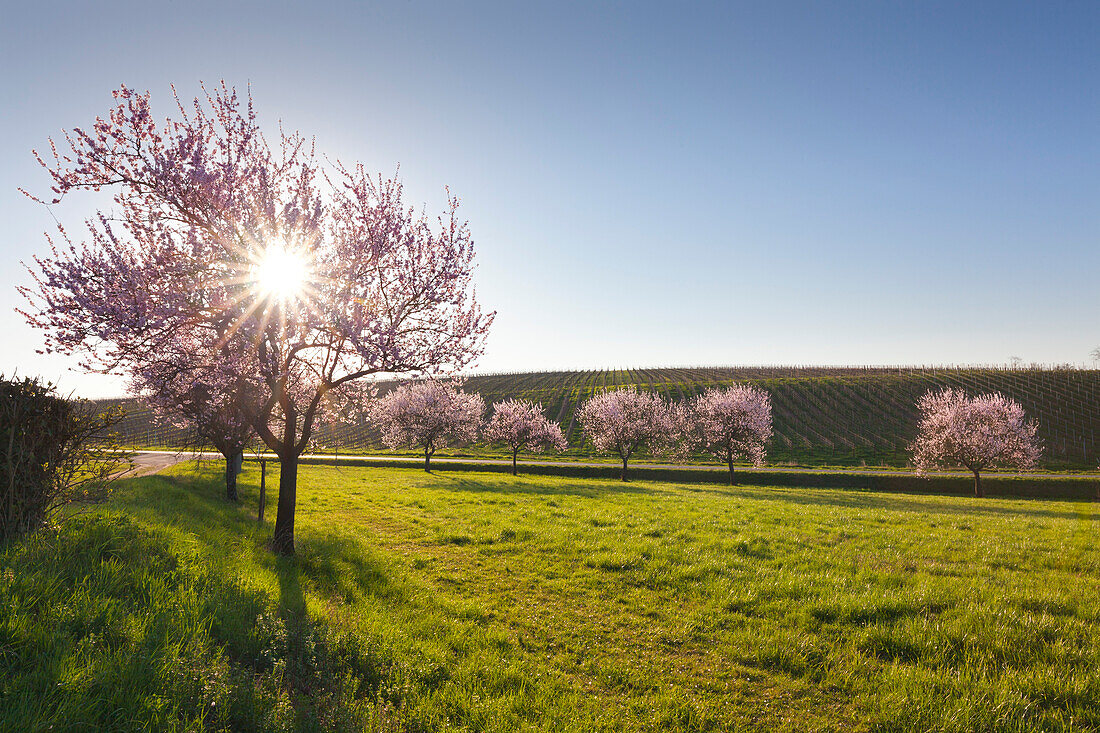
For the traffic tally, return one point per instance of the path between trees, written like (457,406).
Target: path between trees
(153,461)
(146,463)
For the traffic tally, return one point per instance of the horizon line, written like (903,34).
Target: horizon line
(1005,367)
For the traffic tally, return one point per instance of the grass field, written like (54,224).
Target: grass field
(477,601)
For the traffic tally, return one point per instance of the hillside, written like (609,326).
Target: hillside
(822,415)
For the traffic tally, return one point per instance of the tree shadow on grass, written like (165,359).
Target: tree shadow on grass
(578,487)
(192,506)
(262,608)
(343,568)
(185,503)
(870,499)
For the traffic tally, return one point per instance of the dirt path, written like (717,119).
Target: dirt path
(146,463)
(417,461)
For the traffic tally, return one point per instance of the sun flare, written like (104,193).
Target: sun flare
(280,273)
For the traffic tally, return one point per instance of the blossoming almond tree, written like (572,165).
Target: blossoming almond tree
(981,432)
(625,420)
(196,394)
(429,415)
(731,423)
(522,426)
(320,272)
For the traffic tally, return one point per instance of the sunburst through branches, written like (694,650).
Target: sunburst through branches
(281,273)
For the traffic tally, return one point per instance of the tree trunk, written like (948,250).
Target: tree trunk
(729,462)
(288,449)
(977,484)
(233,464)
(283,541)
(230,481)
(623,475)
(428,459)
(515,452)
(263,490)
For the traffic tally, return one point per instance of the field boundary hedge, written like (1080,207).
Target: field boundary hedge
(1042,487)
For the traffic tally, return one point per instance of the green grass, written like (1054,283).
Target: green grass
(479,601)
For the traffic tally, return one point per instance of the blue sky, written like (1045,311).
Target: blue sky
(654,184)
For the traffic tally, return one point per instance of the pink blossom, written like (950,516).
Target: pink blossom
(981,432)
(429,415)
(522,426)
(625,420)
(731,423)
(200,204)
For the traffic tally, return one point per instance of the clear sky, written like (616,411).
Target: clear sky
(653,184)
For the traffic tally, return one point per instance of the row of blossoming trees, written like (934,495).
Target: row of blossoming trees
(731,424)
(251,287)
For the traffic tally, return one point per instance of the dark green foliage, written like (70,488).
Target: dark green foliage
(52,450)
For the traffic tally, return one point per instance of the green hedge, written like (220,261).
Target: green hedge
(1037,486)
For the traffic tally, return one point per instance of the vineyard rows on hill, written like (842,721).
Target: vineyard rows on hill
(822,416)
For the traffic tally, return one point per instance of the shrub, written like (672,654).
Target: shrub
(52,450)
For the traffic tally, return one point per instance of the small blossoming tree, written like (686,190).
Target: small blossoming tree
(626,420)
(730,423)
(429,415)
(213,403)
(981,432)
(522,426)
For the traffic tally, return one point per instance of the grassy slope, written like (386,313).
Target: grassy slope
(822,416)
(482,602)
